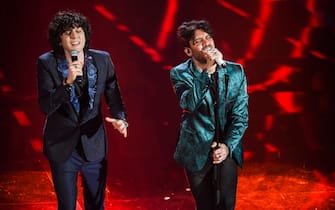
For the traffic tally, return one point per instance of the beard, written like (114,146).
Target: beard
(200,59)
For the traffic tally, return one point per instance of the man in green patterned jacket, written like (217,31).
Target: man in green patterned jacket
(213,95)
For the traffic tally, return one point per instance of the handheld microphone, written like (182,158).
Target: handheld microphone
(74,57)
(220,62)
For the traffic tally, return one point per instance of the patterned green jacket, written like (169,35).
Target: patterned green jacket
(197,127)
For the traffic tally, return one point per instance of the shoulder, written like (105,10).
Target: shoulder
(46,59)
(182,67)
(46,56)
(234,68)
(234,65)
(98,53)
(100,57)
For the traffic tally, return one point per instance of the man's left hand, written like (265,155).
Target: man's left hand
(119,125)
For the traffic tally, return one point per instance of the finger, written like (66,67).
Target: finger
(114,122)
(123,131)
(121,128)
(217,155)
(108,119)
(80,73)
(217,161)
(220,160)
(214,144)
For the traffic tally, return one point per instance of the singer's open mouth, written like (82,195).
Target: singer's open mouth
(75,43)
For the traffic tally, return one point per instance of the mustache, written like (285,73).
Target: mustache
(208,49)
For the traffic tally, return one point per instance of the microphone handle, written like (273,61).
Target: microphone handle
(79,78)
(74,58)
(220,62)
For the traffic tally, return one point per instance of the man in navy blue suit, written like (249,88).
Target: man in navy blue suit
(72,80)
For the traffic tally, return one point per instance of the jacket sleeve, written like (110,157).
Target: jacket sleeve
(51,94)
(189,89)
(237,119)
(112,92)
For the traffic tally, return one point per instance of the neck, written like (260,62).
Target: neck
(200,65)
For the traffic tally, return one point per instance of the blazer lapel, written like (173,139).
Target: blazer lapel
(92,68)
(58,79)
(221,84)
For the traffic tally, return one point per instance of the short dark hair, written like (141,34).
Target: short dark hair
(186,30)
(63,21)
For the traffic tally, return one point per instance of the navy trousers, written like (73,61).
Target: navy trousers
(93,174)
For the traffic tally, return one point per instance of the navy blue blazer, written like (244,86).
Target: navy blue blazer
(63,129)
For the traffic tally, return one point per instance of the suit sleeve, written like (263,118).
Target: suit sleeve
(238,116)
(50,95)
(112,92)
(189,90)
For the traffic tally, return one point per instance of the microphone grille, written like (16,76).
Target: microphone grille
(74,53)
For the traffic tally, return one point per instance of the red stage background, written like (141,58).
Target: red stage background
(286,47)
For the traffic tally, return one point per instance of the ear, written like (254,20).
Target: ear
(188,51)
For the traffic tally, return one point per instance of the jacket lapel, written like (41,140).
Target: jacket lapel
(90,61)
(58,78)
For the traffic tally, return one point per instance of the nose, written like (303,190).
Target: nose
(207,43)
(73,34)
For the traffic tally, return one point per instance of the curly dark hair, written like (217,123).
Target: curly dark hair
(64,21)
(186,30)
